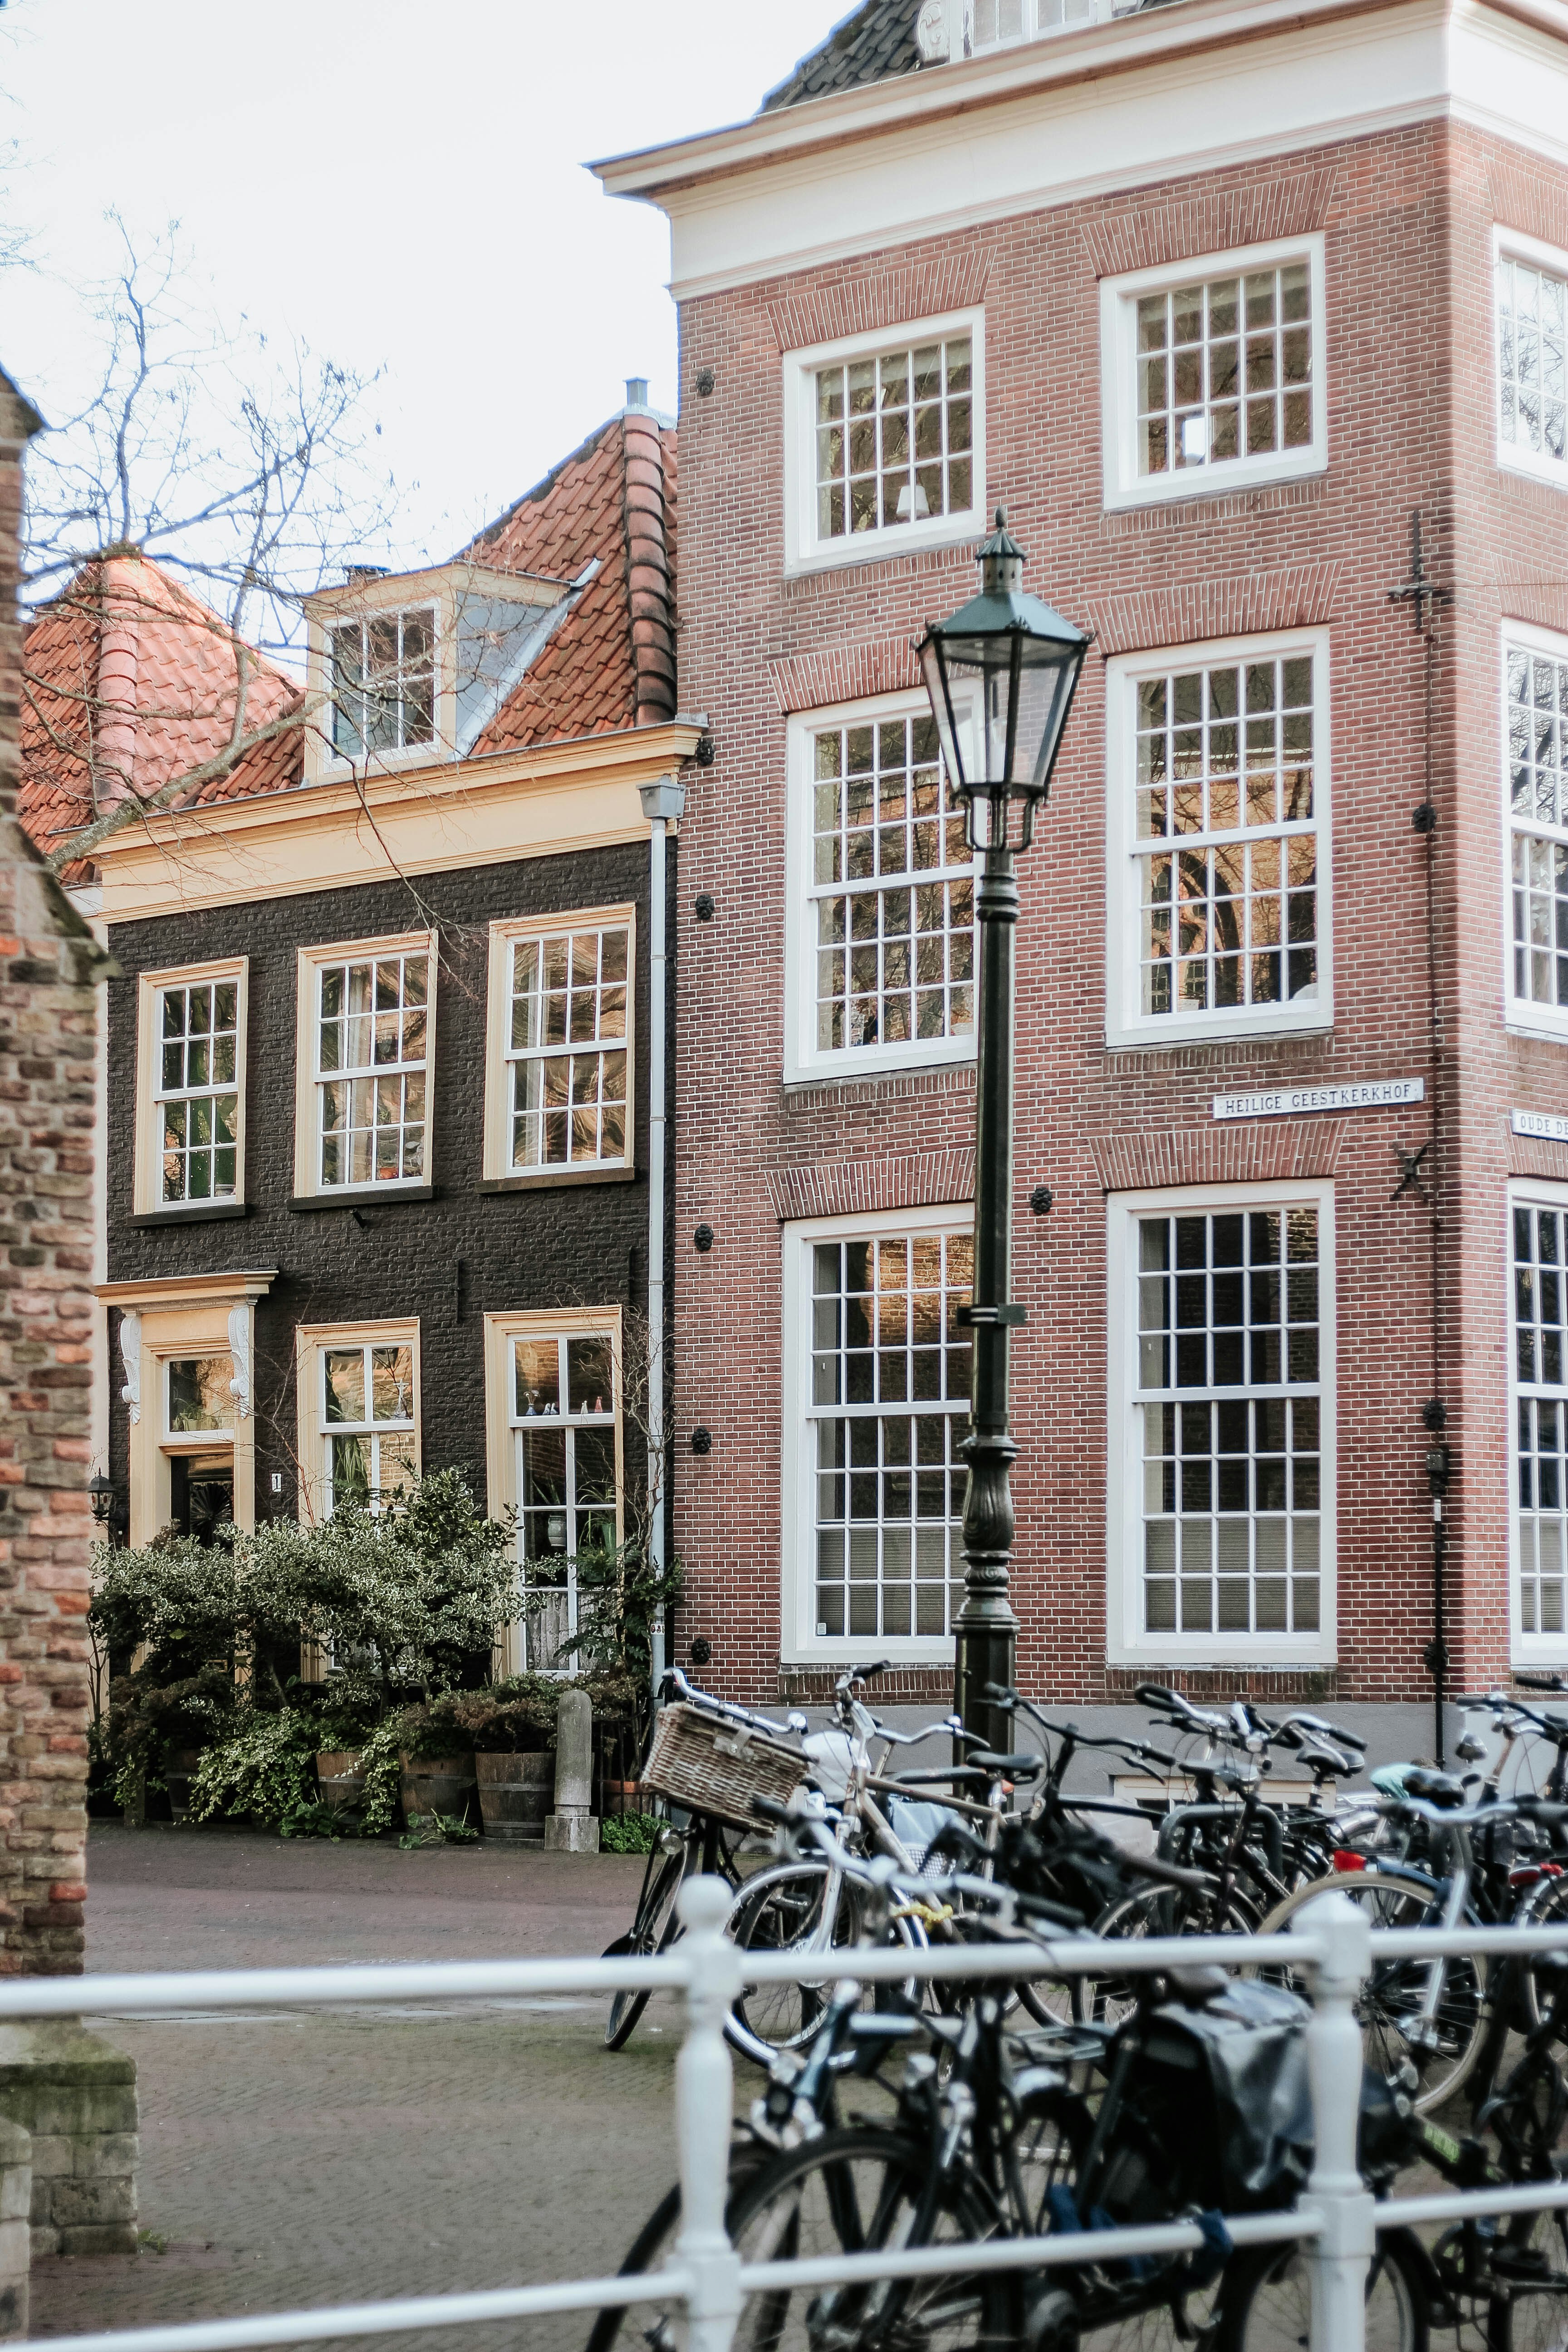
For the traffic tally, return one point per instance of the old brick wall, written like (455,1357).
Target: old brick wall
(1410,426)
(48,1033)
(449,1261)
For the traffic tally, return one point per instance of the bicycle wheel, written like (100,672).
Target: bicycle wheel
(1156,1911)
(1529,2308)
(1546,1905)
(1265,2306)
(784,1910)
(853,2191)
(655,1927)
(1392,2000)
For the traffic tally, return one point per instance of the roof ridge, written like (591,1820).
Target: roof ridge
(542,487)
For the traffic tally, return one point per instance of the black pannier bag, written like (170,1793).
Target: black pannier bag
(1225,2088)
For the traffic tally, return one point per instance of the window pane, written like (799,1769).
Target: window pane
(1228,1410)
(1540,1310)
(372,1021)
(1202,348)
(569,988)
(590,1371)
(891,1366)
(198,1393)
(893,438)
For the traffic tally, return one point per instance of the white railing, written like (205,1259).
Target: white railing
(1337,2219)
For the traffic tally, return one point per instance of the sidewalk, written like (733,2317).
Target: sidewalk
(296,2158)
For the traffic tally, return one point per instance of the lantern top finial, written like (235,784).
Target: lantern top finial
(1001,561)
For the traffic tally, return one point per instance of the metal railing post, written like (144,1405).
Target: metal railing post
(704,2093)
(1338,2257)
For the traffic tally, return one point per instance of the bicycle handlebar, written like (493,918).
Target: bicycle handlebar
(675,1680)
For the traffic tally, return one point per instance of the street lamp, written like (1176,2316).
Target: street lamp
(1001,674)
(107,1507)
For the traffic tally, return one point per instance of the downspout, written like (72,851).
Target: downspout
(664,803)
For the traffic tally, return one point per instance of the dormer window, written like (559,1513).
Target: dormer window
(997,24)
(383,683)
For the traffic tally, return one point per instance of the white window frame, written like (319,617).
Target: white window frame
(147,1176)
(1039,18)
(1126,1023)
(1123,484)
(1126,1643)
(312,1341)
(498,1064)
(1522,1015)
(503,1427)
(307,1183)
(1512,244)
(805,551)
(401,754)
(800,1644)
(1524,1649)
(803,1058)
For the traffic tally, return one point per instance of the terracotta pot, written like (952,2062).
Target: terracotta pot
(438,1784)
(340,1772)
(179,1766)
(620,1797)
(516,1792)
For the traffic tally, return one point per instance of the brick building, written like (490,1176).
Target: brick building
(48,1033)
(382,1100)
(1224,300)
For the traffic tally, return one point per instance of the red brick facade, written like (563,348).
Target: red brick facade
(48,965)
(1407,217)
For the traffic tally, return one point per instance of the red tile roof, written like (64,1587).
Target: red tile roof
(131,679)
(613,498)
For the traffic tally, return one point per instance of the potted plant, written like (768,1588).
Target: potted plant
(512,1725)
(437,1763)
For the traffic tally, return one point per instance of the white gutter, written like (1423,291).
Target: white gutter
(663,803)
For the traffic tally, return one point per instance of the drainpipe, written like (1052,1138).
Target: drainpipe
(663,803)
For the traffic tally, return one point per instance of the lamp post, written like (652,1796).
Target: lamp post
(1001,674)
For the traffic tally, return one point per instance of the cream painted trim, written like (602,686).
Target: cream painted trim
(147,1189)
(188,1328)
(1088,110)
(307,1158)
(181,1290)
(310,1340)
(498,1105)
(583,794)
(500,1447)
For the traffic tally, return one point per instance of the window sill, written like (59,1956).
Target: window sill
(1547,471)
(549,1180)
(366,1196)
(845,554)
(898,1651)
(1205,482)
(1221,1030)
(1258,1653)
(1541,1033)
(197,1213)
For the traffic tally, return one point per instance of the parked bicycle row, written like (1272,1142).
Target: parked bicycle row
(1083,2099)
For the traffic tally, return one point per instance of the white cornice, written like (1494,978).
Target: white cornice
(1088,112)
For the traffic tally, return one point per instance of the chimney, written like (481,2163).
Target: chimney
(637,391)
(113,723)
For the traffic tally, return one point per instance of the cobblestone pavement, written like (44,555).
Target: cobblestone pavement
(296,2158)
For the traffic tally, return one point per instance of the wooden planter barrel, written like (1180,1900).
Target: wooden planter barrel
(341,1774)
(438,1784)
(179,1769)
(516,1792)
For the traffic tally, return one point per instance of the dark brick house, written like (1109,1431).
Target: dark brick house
(385,1131)
(1218,298)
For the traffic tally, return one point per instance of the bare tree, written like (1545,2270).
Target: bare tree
(209,486)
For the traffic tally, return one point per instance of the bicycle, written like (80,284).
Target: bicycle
(706,1842)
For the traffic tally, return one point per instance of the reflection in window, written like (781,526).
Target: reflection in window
(1227,836)
(1538,813)
(892,889)
(889,1405)
(1533,352)
(1224,369)
(383,683)
(1540,1298)
(198,1393)
(1230,1401)
(196,1090)
(368,1421)
(372,1049)
(564,1422)
(895,438)
(566,1049)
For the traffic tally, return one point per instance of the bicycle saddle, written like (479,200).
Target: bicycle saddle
(1436,1788)
(1021,1767)
(1195,1988)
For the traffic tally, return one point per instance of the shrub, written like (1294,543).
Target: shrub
(628,1833)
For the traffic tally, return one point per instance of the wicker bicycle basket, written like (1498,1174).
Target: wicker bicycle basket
(713,1766)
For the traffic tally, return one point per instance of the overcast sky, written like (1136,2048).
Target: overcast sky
(400,183)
